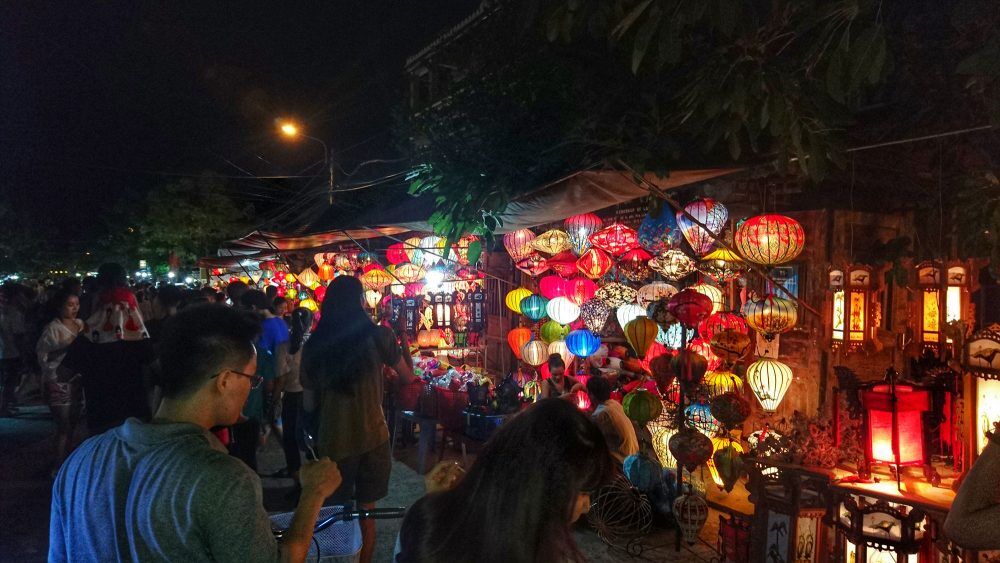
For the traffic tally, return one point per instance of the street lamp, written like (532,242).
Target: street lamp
(292,130)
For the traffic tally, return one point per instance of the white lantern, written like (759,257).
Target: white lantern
(559,347)
(654,291)
(769,380)
(713,293)
(629,312)
(562,310)
(535,353)
(691,513)
(433,250)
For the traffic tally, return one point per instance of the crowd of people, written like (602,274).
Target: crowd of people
(178,388)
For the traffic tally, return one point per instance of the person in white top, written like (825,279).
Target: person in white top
(611,419)
(65,399)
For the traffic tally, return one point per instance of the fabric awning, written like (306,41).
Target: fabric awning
(277,242)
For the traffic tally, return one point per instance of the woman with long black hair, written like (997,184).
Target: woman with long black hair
(342,365)
(518,501)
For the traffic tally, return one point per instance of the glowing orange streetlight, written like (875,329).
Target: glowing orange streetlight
(291,130)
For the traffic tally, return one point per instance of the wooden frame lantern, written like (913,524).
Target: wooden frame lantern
(982,360)
(941,303)
(854,313)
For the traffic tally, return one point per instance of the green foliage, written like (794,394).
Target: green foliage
(978,202)
(21,244)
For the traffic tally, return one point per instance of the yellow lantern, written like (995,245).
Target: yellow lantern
(771,315)
(719,382)
(372,298)
(551,242)
(289,277)
(535,353)
(769,380)
(641,333)
(713,293)
(854,313)
(376,279)
(409,272)
(514,298)
(291,293)
(719,443)
(308,277)
(940,303)
(309,304)
(721,265)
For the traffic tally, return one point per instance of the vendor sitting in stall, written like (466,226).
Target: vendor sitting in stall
(559,385)
(611,419)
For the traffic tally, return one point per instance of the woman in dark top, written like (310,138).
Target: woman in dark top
(517,503)
(559,385)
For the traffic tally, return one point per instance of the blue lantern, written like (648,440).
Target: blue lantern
(582,343)
(533,307)
(699,416)
(659,234)
(642,471)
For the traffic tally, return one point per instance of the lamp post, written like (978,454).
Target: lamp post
(292,131)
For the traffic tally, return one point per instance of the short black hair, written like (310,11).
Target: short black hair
(599,388)
(199,342)
(169,295)
(271,291)
(256,299)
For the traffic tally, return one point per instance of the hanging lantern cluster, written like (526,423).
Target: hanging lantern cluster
(672,264)
(579,228)
(770,239)
(708,212)
(721,265)
(616,239)
(770,315)
(769,380)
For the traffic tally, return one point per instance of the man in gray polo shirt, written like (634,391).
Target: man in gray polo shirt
(167,490)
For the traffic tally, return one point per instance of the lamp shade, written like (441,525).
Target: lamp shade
(518,244)
(769,380)
(533,307)
(708,212)
(594,313)
(770,239)
(562,310)
(770,315)
(582,343)
(535,353)
(616,239)
(376,279)
(579,228)
(713,293)
(552,241)
(641,333)
(672,264)
(659,234)
(594,263)
(690,307)
(654,291)
(628,313)
(514,298)
(895,438)
(559,347)
(634,264)
(411,247)
(552,331)
(616,294)
(517,338)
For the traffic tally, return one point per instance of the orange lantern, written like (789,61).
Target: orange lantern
(771,315)
(616,239)
(517,338)
(326,272)
(408,272)
(854,311)
(428,338)
(594,263)
(770,239)
(518,244)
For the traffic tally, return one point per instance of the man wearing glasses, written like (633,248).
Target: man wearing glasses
(168,490)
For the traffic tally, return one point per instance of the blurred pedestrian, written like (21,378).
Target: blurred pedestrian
(65,398)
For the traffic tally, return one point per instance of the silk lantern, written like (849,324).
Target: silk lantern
(616,294)
(308,278)
(562,310)
(690,307)
(659,311)
(580,290)
(699,416)
(894,424)
(518,244)
(642,471)
(533,307)
(730,408)
(552,331)
(514,297)
(720,321)
(325,272)
(594,313)
(594,263)
(713,293)
(770,315)
(726,463)
(769,380)
(535,353)
(409,272)
(376,280)
(628,313)
(708,212)
(559,347)
(411,247)
(517,338)
(552,241)
(396,253)
(634,264)
(582,343)
(721,265)
(563,264)
(428,338)
(309,304)
(702,347)
(641,406)
(372,298)
(533,264)
(730,345)
(616,239)
(659,234)
(640,334)
(690,448)
(320,293)
(551,287)
(579,228)
(433,250)
(769,239)
(719,382)
(691,513)
(654,291)
(672,264)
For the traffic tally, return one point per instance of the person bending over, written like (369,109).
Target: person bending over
(611,419)
(167,490)
(559,385)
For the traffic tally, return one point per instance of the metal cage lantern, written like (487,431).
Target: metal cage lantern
(579,228)
(940,303)
(721,265)
(673,265)
(770,315)
(769,380)
(616,239)
(708,212)
(770,239)
(518,244)
(595,263)
(852,307)
(552,241)
(691,513)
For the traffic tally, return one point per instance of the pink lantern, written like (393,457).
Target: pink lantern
(616,239)
(579,228)
(563,264)
(708,212)
(551,287)
(518,244)
(580,290)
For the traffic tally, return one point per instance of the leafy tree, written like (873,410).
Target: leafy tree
(21,244)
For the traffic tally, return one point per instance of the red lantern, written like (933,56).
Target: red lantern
(722,321)
(770,239)
(517,338)
(396,253)
(580,290)
(616,239)
(326,272)
(518,244)
(551,287)
(635,264)
(690,307)
(563,264)
(896,438)
(320,293)
(533,265)
(579,228)
(594,263)
(703,347)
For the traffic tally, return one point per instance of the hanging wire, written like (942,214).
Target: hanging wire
(850,199)
(941,253)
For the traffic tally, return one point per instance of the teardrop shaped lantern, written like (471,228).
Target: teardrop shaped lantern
(769,380)
(770,315)
(770,239)
(372,298)
(582,343)
(721,265)
(594,313)
(616,239)
(514,298)
(708,212)
(628,313)
(726,463)
(634,264)
(659,234)
(535,353)
(517,338)
(654,291)
(640,334)
(518,244)
(562,310)
(616,294)
(673,265)
(533,307)
(579,228)
(691,513)
(594,263)
(559,347)
(552,241)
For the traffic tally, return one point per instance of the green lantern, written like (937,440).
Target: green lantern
(552,331)
(642,406)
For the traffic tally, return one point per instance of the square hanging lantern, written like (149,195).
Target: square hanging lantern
(894,425)
(981,358)
(854,314)
(616,239)
(940,303)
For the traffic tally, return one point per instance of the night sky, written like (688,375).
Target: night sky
(99,99)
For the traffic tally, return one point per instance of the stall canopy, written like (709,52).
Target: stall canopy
(273,242)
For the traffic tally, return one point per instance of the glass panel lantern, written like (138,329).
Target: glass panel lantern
(981,359)
(852,314)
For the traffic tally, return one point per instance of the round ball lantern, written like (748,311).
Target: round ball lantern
(518,244)
(634,264)
(533,307)
(672,264)
(722,321)
(690,448)
(396,253)
(616,294)
(551,287)
(594,263)
(640,334)
(579,228)
(582,343)
(619,512)
(708,212)
(514,297)
(713,293)
(690,307)
(559,347)
(535,353)
(517,338)
(721,265)
(411,247)
(729,408)
(770,239)
(654,292)
(552,241)
(691,513)
(641,406)
(616,239)
(699,416)
(580,290)
(562,310)
(552,331)
(659,234)
(642,471)
(770,315)
(719,382)
(628,313)
(769,380)
(594,313)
